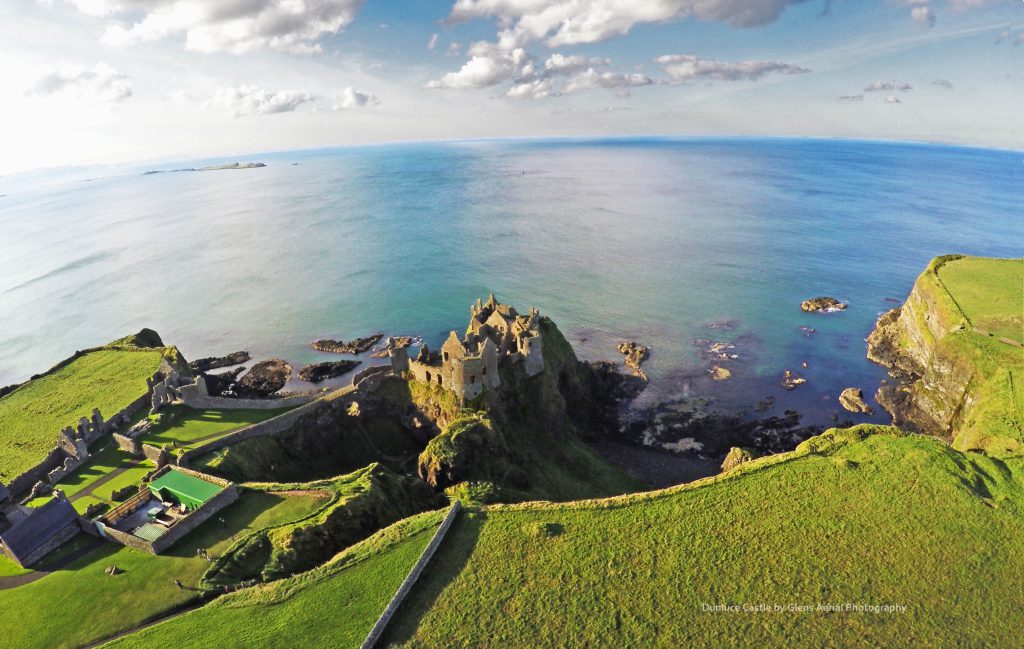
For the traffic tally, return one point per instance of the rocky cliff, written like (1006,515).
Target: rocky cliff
(948,378)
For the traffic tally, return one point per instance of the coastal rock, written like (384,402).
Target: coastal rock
(217,362)
(357,346)
(853,400)
(824,304)
(738,455)
(223,383)
(317,372)
(719,373)
(791,380)
(635,355)
(401,342)
(264,378)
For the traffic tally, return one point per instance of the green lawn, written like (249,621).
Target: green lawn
(332,606)
(886,520)
(33,415)
(81,486)
(80,604)
(990,292)
(182,426)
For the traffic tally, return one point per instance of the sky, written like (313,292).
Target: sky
(118,81)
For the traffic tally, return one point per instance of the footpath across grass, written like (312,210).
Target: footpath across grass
(32,416)
(80,604)
(332,606)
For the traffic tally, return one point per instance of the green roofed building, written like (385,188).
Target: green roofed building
(182,488)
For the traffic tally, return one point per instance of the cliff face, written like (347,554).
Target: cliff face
(948,379)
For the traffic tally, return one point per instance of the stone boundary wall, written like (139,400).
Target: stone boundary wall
(273,426)
(20,486)
(410,580)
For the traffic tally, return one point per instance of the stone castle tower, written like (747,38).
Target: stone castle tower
(467,365)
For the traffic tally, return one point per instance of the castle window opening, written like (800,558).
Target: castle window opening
(439,381)
(429,378)
(472,379)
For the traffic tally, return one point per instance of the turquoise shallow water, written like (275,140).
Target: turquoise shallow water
(644,238)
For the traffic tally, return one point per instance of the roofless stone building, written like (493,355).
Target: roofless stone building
(467,365)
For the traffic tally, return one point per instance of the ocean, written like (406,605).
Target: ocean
(666,241)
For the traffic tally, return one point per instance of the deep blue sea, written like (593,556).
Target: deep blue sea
(652,239)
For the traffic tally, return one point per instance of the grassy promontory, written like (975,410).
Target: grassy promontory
(956,347)
(109,378)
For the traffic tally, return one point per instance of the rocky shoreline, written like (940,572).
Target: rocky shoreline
(357,346)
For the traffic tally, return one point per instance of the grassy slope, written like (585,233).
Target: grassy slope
(92,605)
(990,292)
(32,416)
(332,606)
(361,503)
(884,520)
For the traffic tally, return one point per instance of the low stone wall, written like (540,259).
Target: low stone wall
(196,518)
(428,553)
(21,485)
(371,378)
(273,426)
(128,444)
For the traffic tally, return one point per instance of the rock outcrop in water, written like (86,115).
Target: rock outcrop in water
(357,346)
(317,372)
(635,355)
(853,400)
(738,455)
(264,378)
(824,304)
(217,362)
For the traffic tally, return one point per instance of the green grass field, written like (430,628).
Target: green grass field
(332,606)
(883,520)
(33,415)
(182,427)
(990,292)
(80,604)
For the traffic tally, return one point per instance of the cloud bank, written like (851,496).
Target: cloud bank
(101,83)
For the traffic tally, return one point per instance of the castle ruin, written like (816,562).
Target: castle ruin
(496,334)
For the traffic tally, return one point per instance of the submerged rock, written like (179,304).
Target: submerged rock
(853,400)
(357,346)
(826,304)
(317,372)
(719,373)
(264,378)
(791,380)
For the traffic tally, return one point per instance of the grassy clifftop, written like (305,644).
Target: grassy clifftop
(108,378)
(955,347)
(864,516)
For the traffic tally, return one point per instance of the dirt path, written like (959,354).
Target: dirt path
(27,578)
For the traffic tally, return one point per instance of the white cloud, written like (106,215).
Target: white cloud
(238,101)
(561,64)
(536,89)
(687,67)
(893,100)
(852,98)
(225,25)
(100,83)
(571,22)
(352,98)
(453,49)
(591,78)
(943,83)
(924,15)
(432,43)
(489,65)
(877,86)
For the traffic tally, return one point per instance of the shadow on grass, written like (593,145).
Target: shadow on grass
(236,518)
(449,561)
